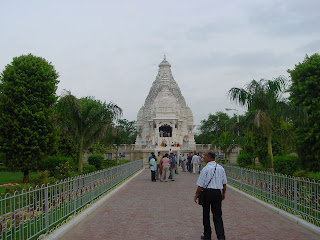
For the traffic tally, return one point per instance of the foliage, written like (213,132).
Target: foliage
(266,107)
(244,159)
(85,120)
(51,163)
(111,163)
(43,177)
(305,92)
(28,86)
(226,143)
(89,169)
(213,127)
(96,160)
(63,170)
(286,164)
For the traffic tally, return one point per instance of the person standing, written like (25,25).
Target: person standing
(212,181)
(195,161)
(173,164)
(153,168)
(183,162)
(189,158)
(165,162)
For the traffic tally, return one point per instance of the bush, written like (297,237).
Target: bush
(50,163)
(96,160)
(43,178)
(257,167)
(244,159)
(63,170)
(88,169)
(285,164)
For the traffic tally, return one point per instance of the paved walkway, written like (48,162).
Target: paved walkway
(165,210)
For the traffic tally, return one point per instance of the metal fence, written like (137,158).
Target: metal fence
(30,213)
(297,196)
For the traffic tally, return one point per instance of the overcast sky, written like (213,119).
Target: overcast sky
(111,49)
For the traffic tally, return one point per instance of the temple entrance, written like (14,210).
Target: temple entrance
(165,131)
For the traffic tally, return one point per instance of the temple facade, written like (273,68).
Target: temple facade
(165,121)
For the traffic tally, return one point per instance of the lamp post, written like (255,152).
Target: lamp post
(237,113)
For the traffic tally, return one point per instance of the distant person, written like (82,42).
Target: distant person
(183,162)
(212,181)
(173,165)
(165,162)
(195,161)
(153,168)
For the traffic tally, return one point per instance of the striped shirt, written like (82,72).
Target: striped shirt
(206,174)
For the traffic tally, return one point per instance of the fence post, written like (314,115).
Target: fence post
(295,193)
(271,186)
(46,208)
(75,196)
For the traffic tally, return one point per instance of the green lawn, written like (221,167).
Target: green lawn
(12,177)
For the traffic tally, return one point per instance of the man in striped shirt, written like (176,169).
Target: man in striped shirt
(213,181)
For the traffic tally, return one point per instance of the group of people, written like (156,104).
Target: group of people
(165,169)
(193,162)
(211,183)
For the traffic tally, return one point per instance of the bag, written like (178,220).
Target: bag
(201,198)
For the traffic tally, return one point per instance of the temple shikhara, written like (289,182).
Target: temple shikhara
(165,121)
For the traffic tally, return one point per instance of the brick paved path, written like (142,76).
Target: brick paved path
(166,211)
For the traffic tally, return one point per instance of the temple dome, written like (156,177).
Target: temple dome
(164,63)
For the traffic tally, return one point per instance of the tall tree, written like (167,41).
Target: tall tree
(85,120)
(27,92)
(265,102)
(305,92)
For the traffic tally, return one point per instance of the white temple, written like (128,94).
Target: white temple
(165,121)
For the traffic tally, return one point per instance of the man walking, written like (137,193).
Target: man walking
(173,164)
(212,180)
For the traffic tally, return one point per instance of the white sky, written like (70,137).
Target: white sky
(111,49)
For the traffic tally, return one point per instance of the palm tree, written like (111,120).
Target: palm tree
(85,120)
(265,103)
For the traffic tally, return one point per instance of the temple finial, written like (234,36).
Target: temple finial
(164,58)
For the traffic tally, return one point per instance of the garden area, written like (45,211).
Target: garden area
(55,169)
(279,131)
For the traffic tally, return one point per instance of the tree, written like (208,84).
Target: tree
(266,106)
(226,143)
(85,120)
(121,132)
(213,127)
(27,93)
(305,92)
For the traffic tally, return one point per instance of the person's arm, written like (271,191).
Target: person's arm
(224,191)
(199,189)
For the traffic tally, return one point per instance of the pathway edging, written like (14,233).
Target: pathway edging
(289,216)
(65,228)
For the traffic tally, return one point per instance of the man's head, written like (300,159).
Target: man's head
(210,156)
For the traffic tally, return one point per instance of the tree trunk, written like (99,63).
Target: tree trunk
(270,154)
(25,176)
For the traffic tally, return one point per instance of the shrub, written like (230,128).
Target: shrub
(50,163)
(43,178)
(63,170)
(96,160)
(257,167)
(244,159)
(88,169)
(285,164)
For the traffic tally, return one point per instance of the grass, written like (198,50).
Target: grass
(13,177)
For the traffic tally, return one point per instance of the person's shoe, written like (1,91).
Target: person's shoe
(172,179)
(204,238)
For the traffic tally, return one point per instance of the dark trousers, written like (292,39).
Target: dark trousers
(213,199)
(153,176)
